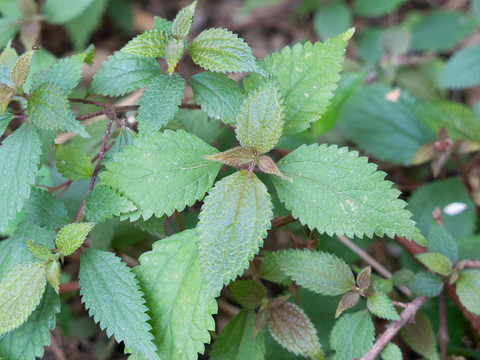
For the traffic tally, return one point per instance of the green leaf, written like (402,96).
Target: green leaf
(236,341)
(391,131)
(248,293)
(317,271)
(182,24)
(307,74)
(49,109)
(163,24)
(160,101)
(123,73)
(336,205)
(57,13)
(46,209)
(53,274)
(331,20)
(271,269)
(20,154)
(364,278)
(460,71)
(103,203)
(5,74)
(219,96)
(242,203)
(441,30)
(6,95)
(426,284)
(71,236)
(418,334)
(42,60)
(153,226)
(375,8)
(440,241)
(368,43)
(382,285)
(125,138)
(380,305)
(20,292)
(352,336)
(459,121)
(150,44)
(468,290)
(73,163)
(39,251)
(9,28)
(114,299)
(260,121)
(436,262)
(180,310)
(162,172)
(173,53)
(220,50)
(20,69)
(391,352)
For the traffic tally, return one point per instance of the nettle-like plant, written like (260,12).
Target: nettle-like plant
(162,308)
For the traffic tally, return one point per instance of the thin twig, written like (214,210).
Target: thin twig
(281,221)
(89,102)
(179,220)
(442,331)
(394,328)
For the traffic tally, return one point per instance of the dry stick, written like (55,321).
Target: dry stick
(394,328)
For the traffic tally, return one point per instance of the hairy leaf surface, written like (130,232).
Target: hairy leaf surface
(418,334)
(20,69)
(468,289)
(248,293)
(150,44)
(182,24)
(46,209)
(71,236)
(426,284)
(65,73)
(103,203)
(380,305)
(461,70)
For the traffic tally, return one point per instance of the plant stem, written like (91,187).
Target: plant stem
(280,221)
(90,102)
(68,287)
(179,220)
(442,331)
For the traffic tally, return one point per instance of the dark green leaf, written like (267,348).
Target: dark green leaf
(440,241)
(248,293)
(375,8)
(125,138)
(103,203)
(331,20)
(426,284)
(418,334)
(468,290)
(46,209)
(461,71)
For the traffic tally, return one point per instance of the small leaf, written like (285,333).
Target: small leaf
(248,293)
(113,298)
(20,69)
(71,236)
(46,209)
(150,44)
(352,336)
(374,8)
(236,341)
(6,95)
(20,292)
(271,269)
(66,73)
(73,163)
(380,305)
(240,158)
(268,166)
(419,335)
(125,138)
(244,205)
(221,50)
(53,274)
(468,290)
(460,71)
(159,102)
(260,121)
(348,301)
(436,262)
(163,24)
(219,96)
(173,53)
(391,352)
(317,271)
(182,23)
(40,251)
(103,203)
(382,285)
(440,241)
(291,328)
(426,284)
(363,278)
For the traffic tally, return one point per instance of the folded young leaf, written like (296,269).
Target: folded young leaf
(46,209)
(7,93)
(40,251)
(182,24)
(181,310)
(468,290)
(150,44)
(113,297)
(20,69)
(461,70)
(244,206)
(337,204)
(380,305)
(162,172)
(71,236)
(103,203)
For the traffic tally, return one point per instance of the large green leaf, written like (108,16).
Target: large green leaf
(103,202)
(236,341)
(317,271)
(221,50)
(390,131)
(73,163)
(234,220)
(375,8)
(181,309)
(28,340)
(461,70)
(260,121)
(123,73)
(20,154)
(112,295)
(468,289)
(337,192)
(149,44)
(160,100)
(219,96)
(162,172)
(57,13)
(46,210)
(307,74)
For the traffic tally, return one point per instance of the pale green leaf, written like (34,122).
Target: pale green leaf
(380,305)
(180,310)
(468,290)
(375,8)
(113,298)
(461,70)
(123,73)
(6,95)
(20,153)
(10,27)
(382,285)
(103,203)
(307,74)
(220,50)
(39,251)
(236,341)
(243,206)
(53,274)
(337,205)
(20,69)
(20,292)
(317,271)
(160,101)
(260,120)
(163,24)
(49,109)
(71,236)
(219,96)
(436,262)
(426,284)
(182,24)
(57,13)
(5,74)
(150,44)
(73,163)
(162,172)
(440,241)
(42,60)
(331,19)
(352,336)
(8,56)
(391,352)
(418,334)
(248,293)
(173,53)
(28,340)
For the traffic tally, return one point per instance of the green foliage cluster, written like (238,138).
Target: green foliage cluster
(132,178)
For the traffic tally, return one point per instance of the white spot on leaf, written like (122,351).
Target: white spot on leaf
(455,208)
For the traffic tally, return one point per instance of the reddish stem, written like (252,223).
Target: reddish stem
(68,287)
